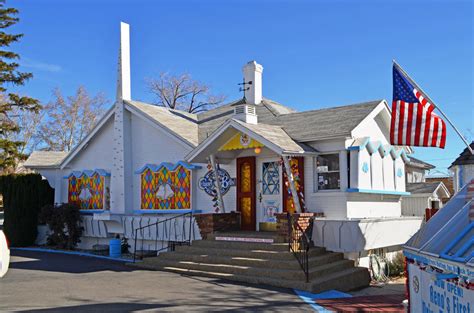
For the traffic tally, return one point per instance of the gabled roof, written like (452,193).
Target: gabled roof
(427,188)
(277,136)
(39,159)
(210,120)
(419,163)
(180,123)
(465,157)
(272,136)
(276,121)
(325,123)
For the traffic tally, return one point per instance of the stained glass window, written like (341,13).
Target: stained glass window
(166,188)
(246,180)
(87,189)
(270,178)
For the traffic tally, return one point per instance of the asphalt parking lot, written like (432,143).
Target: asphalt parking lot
(43,282)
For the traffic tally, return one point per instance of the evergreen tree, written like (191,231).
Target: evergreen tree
(9,75)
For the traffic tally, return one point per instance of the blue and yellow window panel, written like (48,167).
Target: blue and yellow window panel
(86,189)
(271,178)
(241,141)
(166,186)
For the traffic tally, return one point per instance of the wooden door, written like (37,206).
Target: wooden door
(297,162)
(246,194)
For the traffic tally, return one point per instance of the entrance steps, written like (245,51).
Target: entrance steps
(251,261)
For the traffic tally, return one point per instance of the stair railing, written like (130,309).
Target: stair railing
(164,234)
(299,242)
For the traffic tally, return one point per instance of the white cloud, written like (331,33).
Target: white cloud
(40,66)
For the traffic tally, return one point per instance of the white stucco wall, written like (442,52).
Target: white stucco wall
(359,235)
(97,154)
(151,145)
(362,205)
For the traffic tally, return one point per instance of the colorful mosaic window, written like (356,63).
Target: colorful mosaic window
(166,186)
(87,189)
(271,178)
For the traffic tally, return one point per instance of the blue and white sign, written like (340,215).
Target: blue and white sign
(208,182)
(429,294)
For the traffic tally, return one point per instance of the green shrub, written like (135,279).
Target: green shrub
(64,222)
(397,265)
(23,197)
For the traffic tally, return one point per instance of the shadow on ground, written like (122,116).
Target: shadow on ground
(103,307)
(72,264)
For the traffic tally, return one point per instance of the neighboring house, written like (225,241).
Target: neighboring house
(423,195)
(446,180)
(142,163)
(440,258)
(463,168)
(417,170)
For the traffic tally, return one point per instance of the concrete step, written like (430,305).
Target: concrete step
(294,273)
(286,263)
(216,244)
(260,280)
(346,280)
(244,234)
(251,253)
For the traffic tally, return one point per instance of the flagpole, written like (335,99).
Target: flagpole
(432,102)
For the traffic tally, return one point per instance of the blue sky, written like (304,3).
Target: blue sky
(315,53)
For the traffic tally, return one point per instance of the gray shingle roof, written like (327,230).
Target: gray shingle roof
(211,120)
(45,159)
(419,188)
(419,163)
(465,157)
(277,136)
(181,123)
(325,123)
(292,128)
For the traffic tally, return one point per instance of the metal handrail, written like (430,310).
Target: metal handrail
(165,228)
(299,242)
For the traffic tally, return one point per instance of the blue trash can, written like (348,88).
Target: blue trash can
(115,248)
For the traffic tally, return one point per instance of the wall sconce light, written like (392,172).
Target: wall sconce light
(257,150)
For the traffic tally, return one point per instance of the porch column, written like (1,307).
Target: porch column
(218,183)
(291,182)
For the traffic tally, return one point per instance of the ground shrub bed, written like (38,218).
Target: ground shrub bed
(64,222)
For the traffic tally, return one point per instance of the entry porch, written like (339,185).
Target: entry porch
(269,168)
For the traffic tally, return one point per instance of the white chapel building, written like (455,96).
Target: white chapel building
(142,163)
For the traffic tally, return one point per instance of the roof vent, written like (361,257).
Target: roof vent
(246,113)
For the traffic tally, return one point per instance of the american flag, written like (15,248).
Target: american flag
(413,121)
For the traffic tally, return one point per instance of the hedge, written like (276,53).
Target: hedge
(23,197)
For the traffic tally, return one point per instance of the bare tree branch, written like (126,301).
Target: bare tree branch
(68,121)
(181,92)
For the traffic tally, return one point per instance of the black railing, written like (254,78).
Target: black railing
(164,235)
(299,241)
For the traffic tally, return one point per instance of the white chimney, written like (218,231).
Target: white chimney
(253,77)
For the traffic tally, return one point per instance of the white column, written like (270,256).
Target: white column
(118,190)
(218,183)
(291,183)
